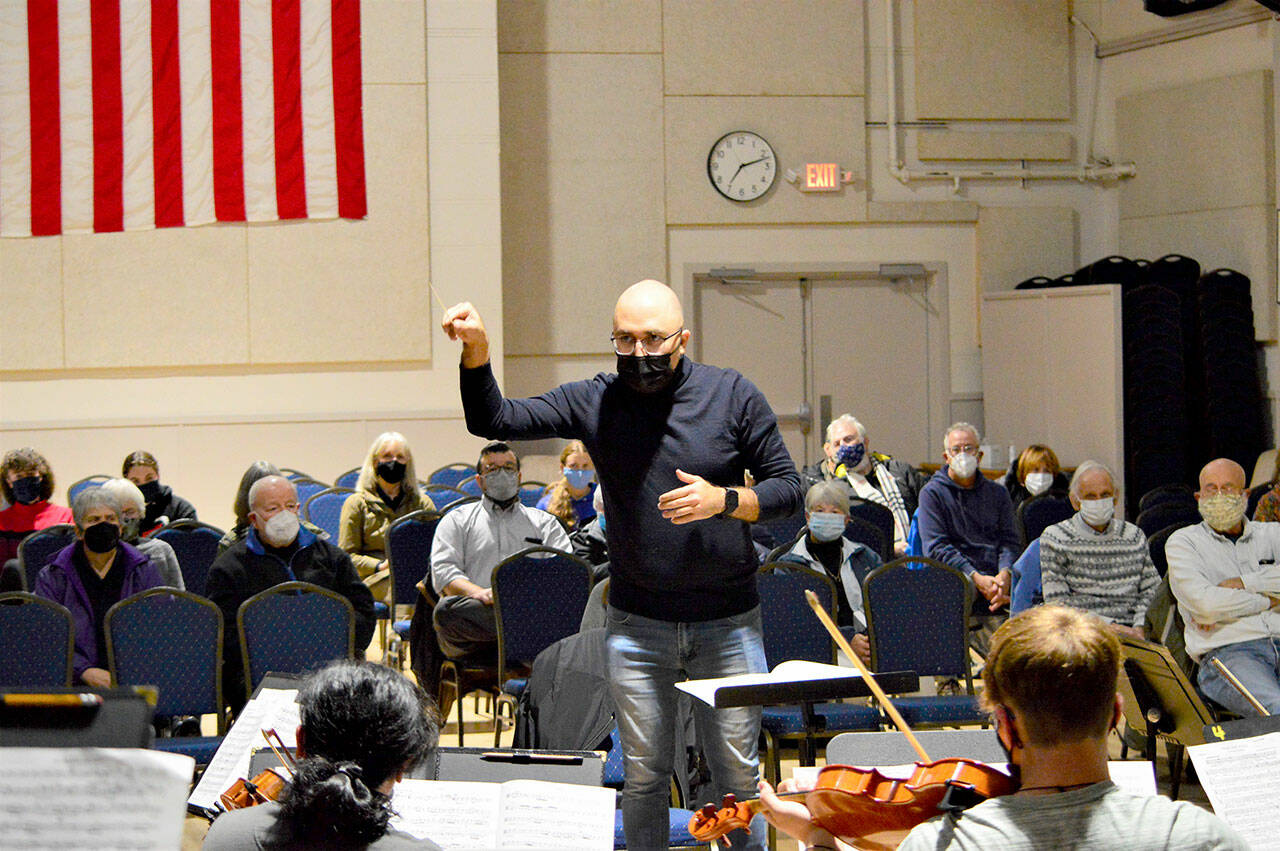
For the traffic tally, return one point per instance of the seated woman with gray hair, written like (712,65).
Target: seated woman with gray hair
(92,575)
(133,507)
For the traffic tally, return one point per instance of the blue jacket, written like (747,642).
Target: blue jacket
(58,581)
(970,529)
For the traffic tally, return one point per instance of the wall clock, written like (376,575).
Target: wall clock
(741,166)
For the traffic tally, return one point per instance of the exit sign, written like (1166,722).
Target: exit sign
(821,177)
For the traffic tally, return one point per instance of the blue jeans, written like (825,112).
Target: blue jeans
(647,658)
(1256,664)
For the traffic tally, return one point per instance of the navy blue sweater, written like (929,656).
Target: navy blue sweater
(711,422)
(968,528)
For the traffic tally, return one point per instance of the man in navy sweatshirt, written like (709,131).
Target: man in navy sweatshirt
(671,440)
(966,521)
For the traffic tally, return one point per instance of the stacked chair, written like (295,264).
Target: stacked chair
(1233,396)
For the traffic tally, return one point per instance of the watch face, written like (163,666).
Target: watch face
(741,166)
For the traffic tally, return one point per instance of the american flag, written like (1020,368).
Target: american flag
(136,114)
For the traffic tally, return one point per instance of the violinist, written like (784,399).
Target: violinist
(363,726)
(1051,689)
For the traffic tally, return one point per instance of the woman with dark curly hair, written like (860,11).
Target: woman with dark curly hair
(26,482)
(363,726)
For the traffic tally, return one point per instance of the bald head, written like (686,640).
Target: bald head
(1222,472)
(649,303)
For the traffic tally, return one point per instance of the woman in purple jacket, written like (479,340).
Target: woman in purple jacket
(92,575)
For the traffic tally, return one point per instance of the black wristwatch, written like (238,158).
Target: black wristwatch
(730,502)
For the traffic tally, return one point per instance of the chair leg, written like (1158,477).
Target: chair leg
(1175,753)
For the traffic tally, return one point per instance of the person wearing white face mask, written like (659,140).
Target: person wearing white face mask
(276,549)
(1225,575)
(1036,471)
(966,521)
(1094,560)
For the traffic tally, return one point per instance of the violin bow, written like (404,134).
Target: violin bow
(1239,686)
(867,676)
(286,759)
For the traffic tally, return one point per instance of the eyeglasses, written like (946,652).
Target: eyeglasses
(651,344)
(967,449)
(1224,490)
(506,468)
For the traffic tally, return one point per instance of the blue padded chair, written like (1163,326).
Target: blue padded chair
(785,529)
(539,595)
(458,503)
(196,546)
(308,488)
(677,819)
(531,492)
(870,535)
(471,487)
(347,479)
(171,639)
(87,482)
(38,549)
(1176,493)
(441,495)
(880,517)
(918,620)
(1039,513)
(792,632)
(324,509)
(294,475)
(37,641)
(1164,514)
(409,541)
(452,475)
(292,628)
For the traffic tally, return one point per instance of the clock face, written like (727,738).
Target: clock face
(741,166)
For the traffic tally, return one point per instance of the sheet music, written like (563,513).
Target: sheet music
(1241,778)
(102,798)
(518,814)
(791,671)
(273,707)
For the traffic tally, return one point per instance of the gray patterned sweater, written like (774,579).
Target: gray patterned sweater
(1107,573)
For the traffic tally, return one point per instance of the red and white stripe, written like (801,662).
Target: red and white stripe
(135,114)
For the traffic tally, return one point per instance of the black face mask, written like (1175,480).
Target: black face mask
(27,489)
(102,537)
(1015,771)
(150,491)
(646,373)
(391,472)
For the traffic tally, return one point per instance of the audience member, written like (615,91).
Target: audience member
(1050,685)
(278,549)
(469,543)
(1094,560)
(589,541)
(570,499)
(824,548)
(872,475)
(1225,575)
(132,506)
(966,521)
(1036,471)
(1268,508)
(240,507)
(386,491)
(363,727)
(26,482)
(92,575)
(163,505)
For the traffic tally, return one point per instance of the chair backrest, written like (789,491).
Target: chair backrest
(37,640)
(531,492)
(170,639)
(458,503)
(1156,544)
(308,488)
(918,617)
(409,540)
(878,516)
(892,748)
(39,548)
(324,509)
(348,479)
(1153,686)
(292,628)
(786,528)
(539,595)
(1039,513)
(81,484)
(452,475)
(790,629)
(872,536)
(294,475)
(1165,514)
(441,495)
(1255,496)
(471,487)
(1166,493)
(196,546)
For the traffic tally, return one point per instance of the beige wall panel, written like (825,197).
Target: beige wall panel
(961,145)
(581,194)
(353,291)
(1001,59)
(800,130)
(782,47)
(1016,243)
(394,36)
(580,26)
(1241,238)
(1201,146)
(31,292)
(908,212)
(188,282)
(529,376)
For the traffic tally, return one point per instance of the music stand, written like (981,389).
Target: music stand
(75,717)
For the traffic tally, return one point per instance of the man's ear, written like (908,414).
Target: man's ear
(1006,731)
(1117,711)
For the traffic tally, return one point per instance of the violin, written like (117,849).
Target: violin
(862,805)
(266,785)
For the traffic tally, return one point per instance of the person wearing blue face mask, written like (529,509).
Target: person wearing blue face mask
(824,548)
(570,498)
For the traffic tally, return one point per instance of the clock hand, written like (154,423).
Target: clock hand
(753,162)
